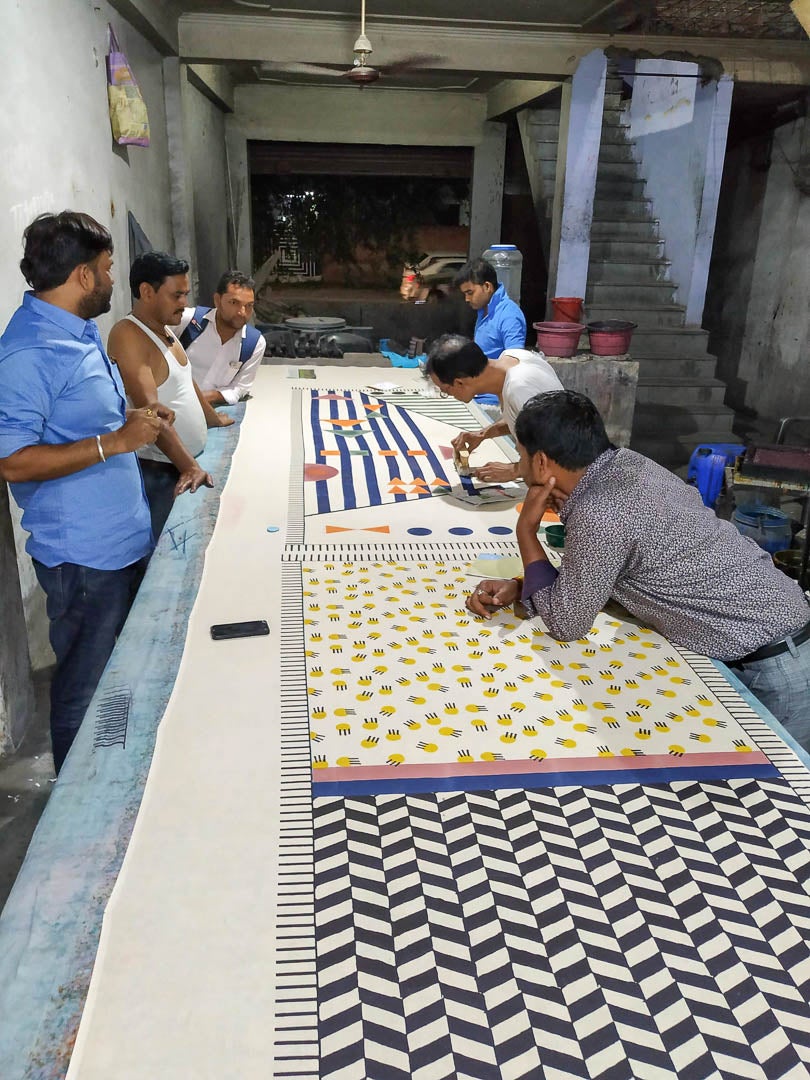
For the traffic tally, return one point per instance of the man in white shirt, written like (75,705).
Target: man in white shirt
(460,369)
(224,349)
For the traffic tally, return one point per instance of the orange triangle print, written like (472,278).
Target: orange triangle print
(379,529)
(337,529)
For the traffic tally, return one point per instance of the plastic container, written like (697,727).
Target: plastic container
(508,265)
(558,338)
(769,527)
(555,536)
(789,562)
(567,308)
(711,469)
(730,451)
(611,337)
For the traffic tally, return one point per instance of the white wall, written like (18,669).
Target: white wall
(58,154)
(674,165)
(773,362)
(204,141)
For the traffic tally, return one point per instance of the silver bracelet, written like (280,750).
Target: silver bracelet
(101,454)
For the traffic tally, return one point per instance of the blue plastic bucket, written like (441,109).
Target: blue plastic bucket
(769,527)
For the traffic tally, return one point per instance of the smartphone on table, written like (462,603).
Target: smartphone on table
(254,628)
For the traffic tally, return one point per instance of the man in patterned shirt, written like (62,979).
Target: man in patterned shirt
(638,534)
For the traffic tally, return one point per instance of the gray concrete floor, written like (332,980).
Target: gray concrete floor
(26,779)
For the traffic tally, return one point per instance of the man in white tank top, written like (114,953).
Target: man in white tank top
(460,369)
(155,368)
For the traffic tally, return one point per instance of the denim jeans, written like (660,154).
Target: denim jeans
(87,609)
(159,479)
(782,684)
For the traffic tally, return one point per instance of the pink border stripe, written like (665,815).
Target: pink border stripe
(359,773)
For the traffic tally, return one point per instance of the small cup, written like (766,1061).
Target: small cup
(555,535)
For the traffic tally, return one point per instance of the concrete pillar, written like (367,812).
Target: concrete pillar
(581,162)
(707,221)
(181,193)
(240,239)
(16,690)
(486,205)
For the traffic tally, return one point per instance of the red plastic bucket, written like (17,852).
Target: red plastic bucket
(558,338)
(567,308)
(611,337)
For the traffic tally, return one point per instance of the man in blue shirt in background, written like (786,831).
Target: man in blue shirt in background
(500,323)
(67,444)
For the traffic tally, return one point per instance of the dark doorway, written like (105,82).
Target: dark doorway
(352,215)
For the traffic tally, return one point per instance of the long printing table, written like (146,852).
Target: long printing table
(389,840)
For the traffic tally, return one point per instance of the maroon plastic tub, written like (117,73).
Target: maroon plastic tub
(558,338)
(611,337)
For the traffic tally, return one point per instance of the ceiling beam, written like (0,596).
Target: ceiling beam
(213,80)
(344,114)
(513,94)
(553,55)
(156,20)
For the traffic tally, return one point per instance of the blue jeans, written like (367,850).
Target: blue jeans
(782,684)
(87,609)
(159,479)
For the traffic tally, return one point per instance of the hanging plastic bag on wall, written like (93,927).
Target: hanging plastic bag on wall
(128,116)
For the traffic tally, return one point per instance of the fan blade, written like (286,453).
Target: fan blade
(412,63)
(299,68)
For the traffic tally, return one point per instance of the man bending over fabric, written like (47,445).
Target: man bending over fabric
(637,533)
(459,368)
(224,349)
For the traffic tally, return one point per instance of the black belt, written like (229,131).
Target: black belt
(776,648)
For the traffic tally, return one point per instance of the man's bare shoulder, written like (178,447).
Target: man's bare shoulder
(128,341)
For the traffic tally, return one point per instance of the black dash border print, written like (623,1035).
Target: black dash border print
(112,718)
(295,1048)
(419,552)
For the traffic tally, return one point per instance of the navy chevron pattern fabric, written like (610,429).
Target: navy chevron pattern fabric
(610,933)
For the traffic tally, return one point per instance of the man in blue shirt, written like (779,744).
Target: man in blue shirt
(500,323)
(67,447)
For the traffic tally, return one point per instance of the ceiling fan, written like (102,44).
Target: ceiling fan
(361,71)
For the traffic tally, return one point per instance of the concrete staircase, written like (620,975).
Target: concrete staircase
(679,402)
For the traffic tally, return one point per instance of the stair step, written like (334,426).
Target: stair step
(545,149)
(545,127)
(626,251)
(616,151)
(633,272)
(547,166)
(675,367)
(650,343)
(677,421)
(545,114)
(644,295)
(669,316)
(617,170)
(615,135)
(627,229)
(622,209)
(677,392)
(621,188)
